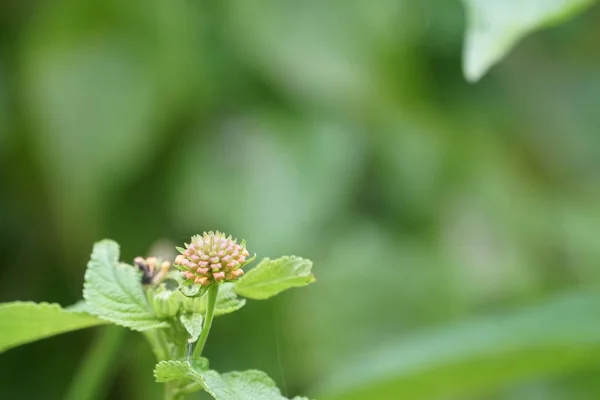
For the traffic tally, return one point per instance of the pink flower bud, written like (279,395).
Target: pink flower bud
(201,281)
(219,276)
(212,258)
(188,275)
(236,273)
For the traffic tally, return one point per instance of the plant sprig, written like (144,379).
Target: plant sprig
(174,310)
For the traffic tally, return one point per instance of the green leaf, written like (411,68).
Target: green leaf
(271,277)
(172,370)
(554,337)
(80,307)
(191,290)
(24,322)
(113,291)
(247,385)
(167,371)
(494,27)
(165,303)
(192,324)
(227,301)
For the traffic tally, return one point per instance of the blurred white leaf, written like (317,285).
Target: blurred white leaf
(494,27)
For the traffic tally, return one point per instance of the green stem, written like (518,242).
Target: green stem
(180,393)
(92,375)
(213,291)
(169,391)
(162,339)
(158,344)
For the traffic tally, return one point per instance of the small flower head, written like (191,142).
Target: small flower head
(153,269)
(212,258)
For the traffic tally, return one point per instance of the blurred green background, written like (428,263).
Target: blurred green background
(339,131)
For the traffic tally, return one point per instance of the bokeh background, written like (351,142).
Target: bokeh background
(339,131)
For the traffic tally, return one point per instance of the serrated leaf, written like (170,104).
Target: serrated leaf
(167,371)
(271,277)
(113,291)
(172,370)
(24,322)
(80,307)
(227,301)
(165,303)
(188,289)
(192,324)
(494,27)
(246,385)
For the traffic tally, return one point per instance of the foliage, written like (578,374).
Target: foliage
(24,322)
(480,354)
(271,277)
(246,385)
(114,292)
(346,133)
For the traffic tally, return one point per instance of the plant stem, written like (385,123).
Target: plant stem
(213,291)
(158,344)
(162,340)
(89,382)
(180,393)
(169,391)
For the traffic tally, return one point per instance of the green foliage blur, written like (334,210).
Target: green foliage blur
(339,131)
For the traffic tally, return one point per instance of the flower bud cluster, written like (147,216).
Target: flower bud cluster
(212,258)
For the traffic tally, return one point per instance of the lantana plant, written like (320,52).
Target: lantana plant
(173,305)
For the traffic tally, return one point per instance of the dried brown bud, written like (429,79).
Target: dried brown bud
(153,273)
(212,258)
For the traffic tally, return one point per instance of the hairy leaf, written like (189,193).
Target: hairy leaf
(80,307)
(553,337)
(271,277)
(172,370)
(246,385)
(227,301)
(23,322)
(495,26)
(192,324)
(191,290)
(113,291)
